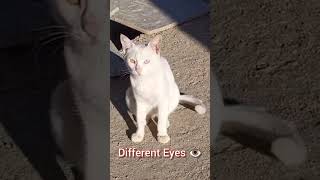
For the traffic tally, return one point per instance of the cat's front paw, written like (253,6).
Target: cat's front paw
(136,138)
(164,139)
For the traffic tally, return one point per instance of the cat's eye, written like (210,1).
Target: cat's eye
(146,61)
(132,61)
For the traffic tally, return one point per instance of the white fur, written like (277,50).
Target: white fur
(288,151)
(85,55)
(288,146)
(153,87)
(198,105)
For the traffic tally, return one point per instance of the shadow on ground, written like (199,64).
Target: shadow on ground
(27,80)
(118,87)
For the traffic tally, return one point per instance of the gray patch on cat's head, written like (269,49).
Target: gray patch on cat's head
(141,58)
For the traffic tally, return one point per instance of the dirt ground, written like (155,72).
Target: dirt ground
(27,151)
(189,61)
(266,53)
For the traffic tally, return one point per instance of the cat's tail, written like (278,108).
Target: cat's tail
(195,103)
(282,139)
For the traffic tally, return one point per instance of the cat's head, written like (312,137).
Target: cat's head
(84,19)
(141,59)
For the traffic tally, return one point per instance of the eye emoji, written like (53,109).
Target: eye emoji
(195,153)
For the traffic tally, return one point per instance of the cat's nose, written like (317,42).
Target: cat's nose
(138,70)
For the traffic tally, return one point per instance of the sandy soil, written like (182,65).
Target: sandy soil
(189,61)
(264,52)
(27,151)
(267,53)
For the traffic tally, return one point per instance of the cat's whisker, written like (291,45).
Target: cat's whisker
(51,35)
(124,71)
(36,50)
(54,39)
(124,75)
(74,35)
(46,28)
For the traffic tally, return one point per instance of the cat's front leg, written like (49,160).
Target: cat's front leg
(163,123)
(141,115)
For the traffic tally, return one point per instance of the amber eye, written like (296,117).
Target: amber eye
(132,61)
(146,61)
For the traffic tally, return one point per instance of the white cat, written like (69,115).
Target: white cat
(285,142)
(78,106)
(153,90)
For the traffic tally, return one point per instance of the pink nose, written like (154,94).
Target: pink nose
(138,69)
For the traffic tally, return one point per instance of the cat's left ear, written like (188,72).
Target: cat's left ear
(155,43)
(126,43)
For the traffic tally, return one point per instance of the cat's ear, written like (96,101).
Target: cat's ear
(155,43)
(126,43)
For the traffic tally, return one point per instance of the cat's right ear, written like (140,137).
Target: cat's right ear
(126,43)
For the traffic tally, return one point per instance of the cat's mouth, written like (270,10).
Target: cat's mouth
(139,73)
(135,73)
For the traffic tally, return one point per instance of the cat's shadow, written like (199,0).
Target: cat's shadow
(118,87)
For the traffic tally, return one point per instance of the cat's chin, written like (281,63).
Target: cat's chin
(135,75)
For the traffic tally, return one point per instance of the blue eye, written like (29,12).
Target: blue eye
(147,61)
